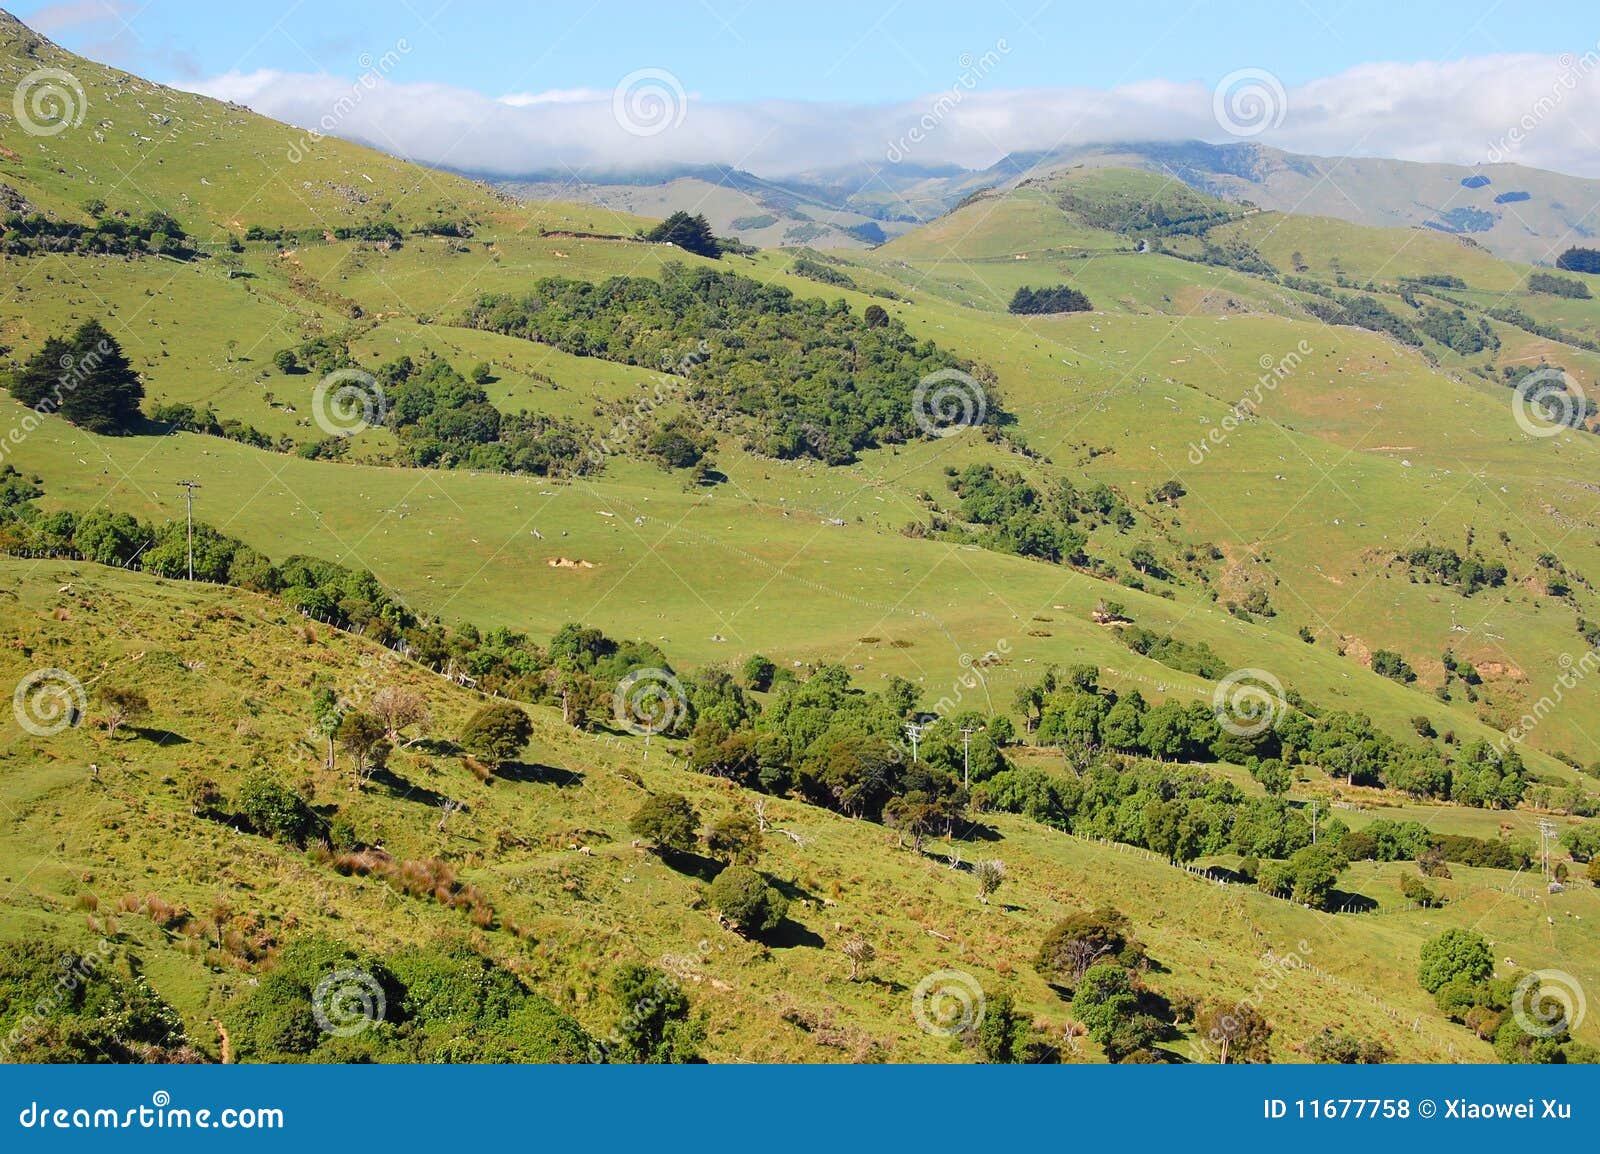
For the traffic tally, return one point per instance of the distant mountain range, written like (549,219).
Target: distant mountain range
(1524,214)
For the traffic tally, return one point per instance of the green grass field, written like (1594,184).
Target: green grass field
(1357,450)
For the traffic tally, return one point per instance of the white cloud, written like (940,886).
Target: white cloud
(1537,110)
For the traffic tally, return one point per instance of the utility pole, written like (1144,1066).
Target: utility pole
(1547,833)
(1313,823)
(966,758)
(188,488)
(914,732)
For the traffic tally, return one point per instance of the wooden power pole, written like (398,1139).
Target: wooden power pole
(188,488)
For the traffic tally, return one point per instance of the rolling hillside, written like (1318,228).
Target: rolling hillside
(1281,445)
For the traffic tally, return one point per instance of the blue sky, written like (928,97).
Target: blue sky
(511,89)
(862,52)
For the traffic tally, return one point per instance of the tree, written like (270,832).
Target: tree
(690,233)
(482,373)
(1078,941)
(1579,260)
(86,378)
(654,1026)
(361,734)
(1388,663)
(669,820)
(1454,953)
(744,898)
(757,673)
(1308,877)
(400,708)
(121,706)
(876,316)
(1238,1032)
(1108,1006)
(988,873)
(274,810)
(326,715)
(1583,841)
(497,732)
(286,362)
(860,953)
(1414,889)
(736,838)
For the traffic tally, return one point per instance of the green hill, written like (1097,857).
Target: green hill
(1274,445)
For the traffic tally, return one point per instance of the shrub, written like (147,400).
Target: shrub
(669,820)
(743,897)
(1454,953)
(274,810)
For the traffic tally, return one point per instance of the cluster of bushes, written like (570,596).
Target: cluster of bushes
(377,231)
(1577,259)
(1516,318)
(1559,286)
(1389,840)
(1070,710)
(1364,312)
(1012,515)
(1015,517)
(1173,212)
(803,377)
(322,1001)
(1457,968)
(1054,299)
(1185,656)
(187,419)
(816,268)
(155,233)
(444,420)
(1457,331)
(59,1004)
(1466,574)
(1433,280)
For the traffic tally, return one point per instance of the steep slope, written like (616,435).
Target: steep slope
(546,844)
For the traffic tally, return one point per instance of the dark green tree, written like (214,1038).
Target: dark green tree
(497,732)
